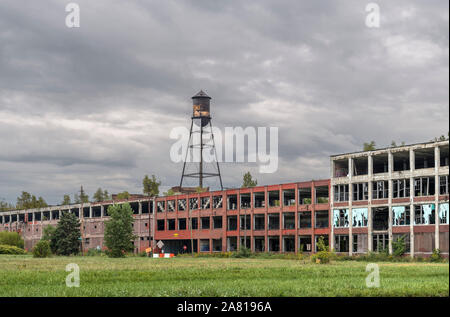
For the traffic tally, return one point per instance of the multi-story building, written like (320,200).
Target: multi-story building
(379,196)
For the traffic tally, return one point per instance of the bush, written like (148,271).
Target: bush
(436,256)
(42,249)
(11,238)
(94,252)
(399,246)
(10,249)
(243,252)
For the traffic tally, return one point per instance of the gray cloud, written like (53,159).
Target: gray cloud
(95,105)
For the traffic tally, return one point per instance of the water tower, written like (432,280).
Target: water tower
(201,125)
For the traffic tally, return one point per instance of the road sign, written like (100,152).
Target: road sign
(160,244)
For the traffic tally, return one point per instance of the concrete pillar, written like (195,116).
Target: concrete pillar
(437,155)
(390,194)
(90,211)
(42,216)
(411,198)
(102,212)
(140,207)
(350,201)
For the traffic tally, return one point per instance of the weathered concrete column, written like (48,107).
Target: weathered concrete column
(412,166)
(50,216)
(437,162)
(390,194)
(102,211)
(90,211)
(42,216)
(350,201)
(140,208)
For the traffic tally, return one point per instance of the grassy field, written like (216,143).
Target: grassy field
(136,276)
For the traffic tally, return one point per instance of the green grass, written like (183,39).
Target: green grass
(22,275)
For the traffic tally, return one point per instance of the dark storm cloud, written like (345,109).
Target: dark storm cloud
(95,105)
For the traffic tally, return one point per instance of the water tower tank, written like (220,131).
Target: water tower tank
(200,107)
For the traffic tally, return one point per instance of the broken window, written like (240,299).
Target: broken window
(341,243)
(274,244)
(170,224)
(245,201)
(424,158)
(259,244)
(274,198)
(321,217)
(443,151)
(205,222)
(400,188)
(304,219)
(340,218)
(245,222)
(380,163)
(400,215)
(289,197)
(259,221)
(161,206)
(321,194)
(232,202)
(206,202)
(217,202)
(360,166)
(443,185)
(160,225)
(289,244)
(359,217)
(193,203)
(231,223)
(304,196)
(305,244)
(380,218)
(360,191)
(380,190)
(182,224)
(289,220)
(340,168)
(443,213)
(380,242)
(424,186)
(424,214)
(401,161)
(340,193)
(259,199)
(217,222)
(171,205)
(231,244)
(274,221)
(181,204)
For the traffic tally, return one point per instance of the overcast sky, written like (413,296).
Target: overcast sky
(94,105)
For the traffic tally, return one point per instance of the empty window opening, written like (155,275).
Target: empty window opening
(21,217)
(443,153)
(360,217)
(30,216)
(245,201)
(14,218)
(245,242)
(289,244)
(341,243)
(380,190)
(205,223)
(181,204)
(443,213)
(182,224)
(321,194)
(160,225)
(274,198)
(341,192)
(193,203)
(341,219)
(194,223)
(245,222)
(171,205)
(217,202)
(401,161)
(424,214)
(145,207)
(400,188)
(96,212)
(259,221)
(204,245)
(289,197)
(232,202)
(304,243)
(380,163)
(206,203)
(170,224)
(259,244)
(380,242)
(304,219)
(274,221)
(400,215)
(37,216)
(217,222)
(360,166)
(217,245)
(424,158)
(443,185)
(274,243)
(424,186)
(341,168)
(7,218)
(231,223)
(321,217)
(86,212)
(135,208)
(231,244)
(304,196)
(289,220)
(360,191)
(380,218)
(55,214)
(75,211)
(259,199)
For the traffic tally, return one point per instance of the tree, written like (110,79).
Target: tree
(98,196)
(151,186)
(119,230)
(66,200)
(248,181)
(82,197)
(170,192)
(123,195)
(106,195)
(28,201)
(5,206)
(66,238)
(369,146)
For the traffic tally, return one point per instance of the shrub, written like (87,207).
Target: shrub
(243,252)
(11,238)
(42,249)
(322,257)
(10,249)
(436,256)
(399,246)
(94,252)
